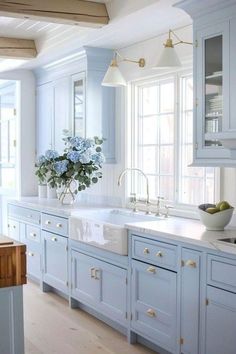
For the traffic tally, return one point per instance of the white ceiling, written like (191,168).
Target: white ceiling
(131,21)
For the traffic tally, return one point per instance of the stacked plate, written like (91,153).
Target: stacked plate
(216,103)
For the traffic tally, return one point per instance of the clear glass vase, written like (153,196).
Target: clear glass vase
(68,196)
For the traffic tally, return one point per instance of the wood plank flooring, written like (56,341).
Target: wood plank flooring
(51,327)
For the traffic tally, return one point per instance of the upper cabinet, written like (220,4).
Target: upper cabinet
(70,97)
(214,70)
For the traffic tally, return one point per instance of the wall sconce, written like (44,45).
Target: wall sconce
(169,58)
(113,76)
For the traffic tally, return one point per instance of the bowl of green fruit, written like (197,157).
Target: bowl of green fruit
(215,216)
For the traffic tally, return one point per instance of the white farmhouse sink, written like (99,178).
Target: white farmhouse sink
(104,228)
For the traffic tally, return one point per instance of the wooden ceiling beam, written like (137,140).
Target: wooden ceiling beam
(15,48)
(79,12)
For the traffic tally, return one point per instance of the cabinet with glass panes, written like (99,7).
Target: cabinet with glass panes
(214,65)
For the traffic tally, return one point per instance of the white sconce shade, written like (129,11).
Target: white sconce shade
(113,76)
(168,59)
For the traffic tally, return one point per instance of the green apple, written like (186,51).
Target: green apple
(224,205)
(212,210)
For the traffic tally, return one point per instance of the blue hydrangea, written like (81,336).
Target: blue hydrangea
(98,158)
(51,154)
(74,156)
(61,166)
(85,157)
(76,142)
(41,160)
(88,143)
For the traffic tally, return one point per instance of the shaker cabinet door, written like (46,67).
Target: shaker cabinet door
(220,322)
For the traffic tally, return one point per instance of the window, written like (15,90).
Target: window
(7,136)
(162,142)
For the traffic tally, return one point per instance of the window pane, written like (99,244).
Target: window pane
(7,177)
(167,97)
(166,160)
(167,129)
(4,142)
(148,159)
(193,190)
(187,127)
(148,130)
(167,188)
(149,101)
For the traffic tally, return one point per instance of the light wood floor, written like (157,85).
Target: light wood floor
(51,327)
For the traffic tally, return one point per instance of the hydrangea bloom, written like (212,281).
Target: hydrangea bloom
(98,158)
(74,156)
(85,157)
(76,142)
(61,166)
(40,161)
(51,154)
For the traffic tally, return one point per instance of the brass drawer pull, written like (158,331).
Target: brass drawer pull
(96,274)
(159,254)
(30,254)
(151,313)
(92,274)
(191,263)
(14,226)
(59,225)
(47,222)
(54,239)
(146,250)
(151,270)
(33,234)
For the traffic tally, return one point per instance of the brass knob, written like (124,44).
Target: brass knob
(47,222)
(30,254)
(159,254)
(54,239)
(151,313)
(151,270)
(191,263)
(59,225)
(8,225)
(146,250)
(14,226)
(33,234)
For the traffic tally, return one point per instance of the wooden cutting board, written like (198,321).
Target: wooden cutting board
(5,241)
(12,263)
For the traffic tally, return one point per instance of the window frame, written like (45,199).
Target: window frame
(132,137)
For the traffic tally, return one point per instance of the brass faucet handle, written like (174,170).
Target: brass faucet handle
(167,207)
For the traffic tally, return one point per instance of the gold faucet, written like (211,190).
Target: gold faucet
(147,183)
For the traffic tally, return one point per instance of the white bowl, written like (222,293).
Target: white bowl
(217,221)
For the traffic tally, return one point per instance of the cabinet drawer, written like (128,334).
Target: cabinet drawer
(32,233)
(33,259)
(221,272)
(13,229)
(55,224)
(24,214)
(155,252)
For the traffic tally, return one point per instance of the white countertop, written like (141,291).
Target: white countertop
(186,230)
(51,205)
(172,229)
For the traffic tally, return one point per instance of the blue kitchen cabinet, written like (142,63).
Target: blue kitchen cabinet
(220,322)
(190,300)
(55,261)
(154,304)
(24,226)
(100,285)
(11,320)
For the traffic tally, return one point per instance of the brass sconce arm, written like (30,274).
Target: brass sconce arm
(141,62)
(169,42)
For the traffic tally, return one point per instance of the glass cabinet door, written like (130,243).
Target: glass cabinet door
(78,105)
(213,78)
(212,81)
